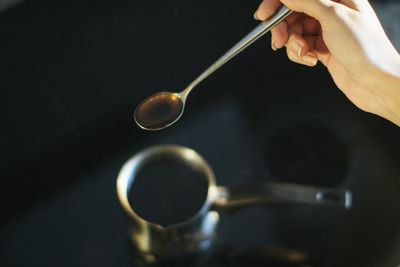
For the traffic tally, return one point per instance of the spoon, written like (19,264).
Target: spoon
(165,108)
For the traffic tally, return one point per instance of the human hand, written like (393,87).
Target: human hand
(349,40)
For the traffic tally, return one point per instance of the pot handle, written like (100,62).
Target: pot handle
(238,196)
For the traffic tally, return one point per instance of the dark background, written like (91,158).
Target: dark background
(71,74)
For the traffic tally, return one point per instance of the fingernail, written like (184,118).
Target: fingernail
(310,60)
(255,15)
(273,46)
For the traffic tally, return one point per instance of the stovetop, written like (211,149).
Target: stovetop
(84,225)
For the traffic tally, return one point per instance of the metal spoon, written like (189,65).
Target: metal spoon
(165,108)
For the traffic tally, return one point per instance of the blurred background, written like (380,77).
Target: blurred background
(71,75)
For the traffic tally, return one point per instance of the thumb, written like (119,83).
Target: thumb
(322,10)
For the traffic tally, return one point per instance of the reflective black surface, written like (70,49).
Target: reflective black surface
(71,77)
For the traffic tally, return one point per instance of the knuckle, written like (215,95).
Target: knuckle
(291,55)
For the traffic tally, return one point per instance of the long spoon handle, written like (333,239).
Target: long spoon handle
(250,38)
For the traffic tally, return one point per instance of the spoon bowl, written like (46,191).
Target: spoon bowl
(159,110)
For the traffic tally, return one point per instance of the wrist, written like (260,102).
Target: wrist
(388,83)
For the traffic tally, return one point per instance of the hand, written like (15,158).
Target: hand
(349,40)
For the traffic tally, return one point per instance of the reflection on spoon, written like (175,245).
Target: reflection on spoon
(163,109)
(159,111)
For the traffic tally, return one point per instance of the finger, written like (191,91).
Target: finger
(299,49)
(317,47)
(295,42)
(293,17)
(266,9)
(310,26)
(297,45)
(310,40)
(279,35)
(308,59)
(321,50)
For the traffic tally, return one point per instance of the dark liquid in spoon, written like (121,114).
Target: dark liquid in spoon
(159,111)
